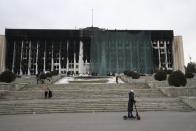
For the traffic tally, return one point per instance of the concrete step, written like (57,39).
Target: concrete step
(87,98)
(85,93)
(89,86)
(91,105)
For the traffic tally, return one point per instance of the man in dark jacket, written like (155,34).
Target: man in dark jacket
(130,104)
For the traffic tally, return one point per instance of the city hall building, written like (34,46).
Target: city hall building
(90,50)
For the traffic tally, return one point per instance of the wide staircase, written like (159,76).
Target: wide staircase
(87,98)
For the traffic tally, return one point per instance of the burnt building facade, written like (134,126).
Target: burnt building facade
(89,50)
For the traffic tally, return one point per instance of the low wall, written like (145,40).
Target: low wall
(191,101)
(12,87)
(191,82)
(178,91)
(155,84)
(3,92)
(130,80)
(7,86)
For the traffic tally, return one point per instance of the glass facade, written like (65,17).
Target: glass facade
(117,51)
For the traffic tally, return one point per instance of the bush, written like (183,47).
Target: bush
(168,71)
(42,76)
(177,78)
(49,74)
(7,76)
(190,69)
(135,75)
(189,75)
(132,74)
(54,73)
(126,72)
(160,75)
(129,73)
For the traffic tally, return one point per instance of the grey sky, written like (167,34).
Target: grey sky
(178,15)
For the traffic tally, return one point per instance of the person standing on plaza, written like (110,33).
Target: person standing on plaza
(130,104)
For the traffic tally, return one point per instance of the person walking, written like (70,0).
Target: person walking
(46,91)
(116,79)
(130,104)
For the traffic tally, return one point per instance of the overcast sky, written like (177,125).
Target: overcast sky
(177,15)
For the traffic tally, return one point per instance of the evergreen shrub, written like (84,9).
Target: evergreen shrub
(190,70)
(177,78)
(7,76)
(160,75)
(132,74)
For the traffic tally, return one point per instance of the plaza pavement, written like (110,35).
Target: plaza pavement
(100,121)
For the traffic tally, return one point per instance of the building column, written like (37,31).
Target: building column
(178,54)
(165,48)
(2,51)
(29,61)
(67,66)
(52,59)
(36,65)
(21,56)
(158,47)
(60,58)
(14,55)
(45,57)
(74,67)
(74,63)
(81,61)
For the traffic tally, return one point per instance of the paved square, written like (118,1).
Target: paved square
(102,121)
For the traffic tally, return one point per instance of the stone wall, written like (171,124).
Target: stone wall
(178,54)
(11,86)
(190,101)
(2,53)
(178,91)
(155,84)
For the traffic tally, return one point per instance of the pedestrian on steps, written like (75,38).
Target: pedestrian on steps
(116,79)
(47,92)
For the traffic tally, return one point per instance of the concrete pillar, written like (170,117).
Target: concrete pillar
(178,54)
(60,58)
(165,48)
(14,55)
(21,57)
(29,59)
(74,63)
(81,61)
(45,58)
(67,66)
(52,59)
(2,53)
(158,47)
(37,53)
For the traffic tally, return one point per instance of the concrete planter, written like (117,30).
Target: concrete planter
(191,101)
(7,86)
(11,87)
(155,84)
(178,91)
